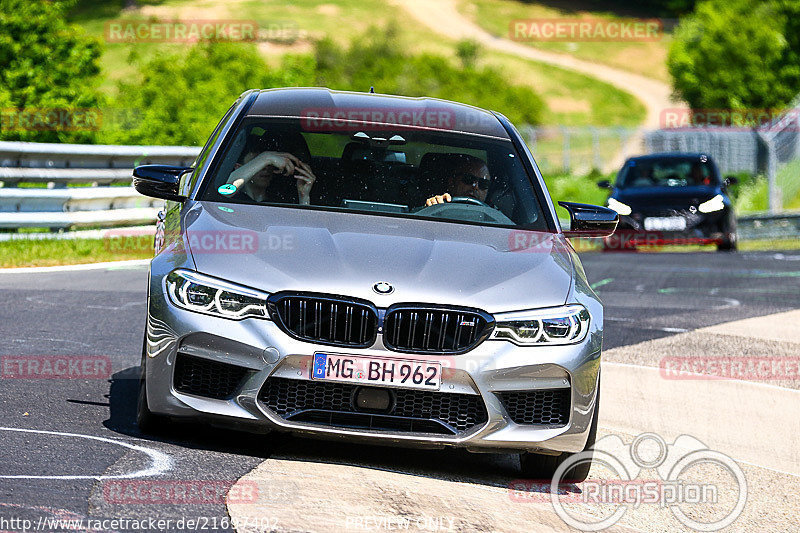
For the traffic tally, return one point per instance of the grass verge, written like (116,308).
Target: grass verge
(53,252)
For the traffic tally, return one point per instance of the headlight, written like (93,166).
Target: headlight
(204,294)
(543,327)
(619,207)
(715,204)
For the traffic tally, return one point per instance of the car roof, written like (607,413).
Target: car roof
(427,113)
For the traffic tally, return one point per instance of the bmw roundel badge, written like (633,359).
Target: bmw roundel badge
(383,287)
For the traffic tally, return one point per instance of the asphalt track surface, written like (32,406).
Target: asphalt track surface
(63,441)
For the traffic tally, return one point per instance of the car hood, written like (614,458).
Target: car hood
(494,269)
(675,197)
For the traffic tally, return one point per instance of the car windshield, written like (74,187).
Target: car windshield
(670,172)
(453,177)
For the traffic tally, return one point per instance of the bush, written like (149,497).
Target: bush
(750,194)
(378,59)
(179,99)
(47,64)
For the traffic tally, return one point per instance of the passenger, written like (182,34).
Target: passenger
(697,175)
(469,178)
(254,175)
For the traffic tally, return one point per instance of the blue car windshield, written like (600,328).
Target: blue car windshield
(671,172)
(453,177)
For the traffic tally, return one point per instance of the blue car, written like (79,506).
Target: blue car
(671,198)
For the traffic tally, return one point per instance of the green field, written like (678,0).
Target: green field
(571,98)
(647,58)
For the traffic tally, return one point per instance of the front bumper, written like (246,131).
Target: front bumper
(701,228)
(263,352)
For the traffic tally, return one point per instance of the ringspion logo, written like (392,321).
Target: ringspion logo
(705,490)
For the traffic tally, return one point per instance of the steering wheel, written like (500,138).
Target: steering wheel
(468,200)
(441,210)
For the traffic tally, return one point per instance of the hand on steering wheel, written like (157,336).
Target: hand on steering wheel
(444,198)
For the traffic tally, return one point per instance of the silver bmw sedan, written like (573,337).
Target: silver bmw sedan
(375,268)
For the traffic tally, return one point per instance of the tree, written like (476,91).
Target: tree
(47,65)
(468,51)
(737,54)
(178,99)
(378,59)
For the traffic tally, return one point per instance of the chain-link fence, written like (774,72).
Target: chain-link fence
(770,149)
(578,150)
(733,151)
(782,166)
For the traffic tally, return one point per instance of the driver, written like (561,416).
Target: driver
(697,175)
(470,177)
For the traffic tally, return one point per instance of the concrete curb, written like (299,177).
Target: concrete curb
(752,422)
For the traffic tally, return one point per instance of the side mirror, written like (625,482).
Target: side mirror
(604,184)
(731,180)
(159,181)
(590,220)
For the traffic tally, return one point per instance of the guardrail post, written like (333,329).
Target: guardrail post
(565,155)
(773,191)
(596,161)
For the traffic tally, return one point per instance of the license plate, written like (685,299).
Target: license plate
(665,224)
(377,371)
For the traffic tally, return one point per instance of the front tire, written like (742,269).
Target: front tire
(539,466)
(728,244)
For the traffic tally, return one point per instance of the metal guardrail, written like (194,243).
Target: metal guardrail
(56,155)
(63,207)
(61,166)
(106,176)
(769,226)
